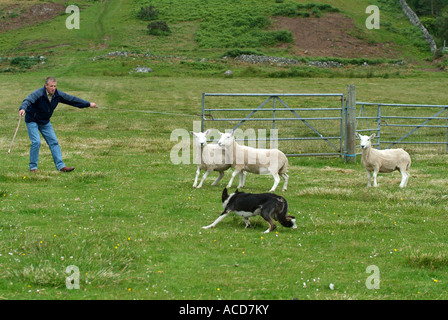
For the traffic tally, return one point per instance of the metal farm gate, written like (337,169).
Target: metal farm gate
(414,127)
(307,124)
(311,124)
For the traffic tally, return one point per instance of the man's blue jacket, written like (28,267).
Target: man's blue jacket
(39,109)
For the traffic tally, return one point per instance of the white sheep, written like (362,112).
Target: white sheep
(260,161)
(383,161)
(210,157)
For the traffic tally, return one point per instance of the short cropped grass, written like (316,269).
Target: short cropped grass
(130,220)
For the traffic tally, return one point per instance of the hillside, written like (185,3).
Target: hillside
(209,30)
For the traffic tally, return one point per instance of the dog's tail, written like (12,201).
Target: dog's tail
(285,219)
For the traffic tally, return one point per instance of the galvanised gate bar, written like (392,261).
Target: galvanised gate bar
(414,127)
(307,124)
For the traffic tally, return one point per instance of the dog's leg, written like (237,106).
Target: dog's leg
(267,214)
(272,226)
(220,218)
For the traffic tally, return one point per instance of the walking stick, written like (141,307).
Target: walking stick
(18,125)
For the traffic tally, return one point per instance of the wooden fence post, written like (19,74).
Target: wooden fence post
(350,155)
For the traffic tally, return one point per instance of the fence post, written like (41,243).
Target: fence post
(203,112)
(350,155)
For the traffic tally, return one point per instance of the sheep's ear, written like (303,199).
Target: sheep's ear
(192,133)
(358,135)
(207,132)
(373,136)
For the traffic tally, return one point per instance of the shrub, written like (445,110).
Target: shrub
(286,10)
(158,28)
(148,13)
(24,62)
(272,38)
(292,9)
(430,24)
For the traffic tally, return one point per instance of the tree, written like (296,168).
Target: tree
(428,7)
(442,26)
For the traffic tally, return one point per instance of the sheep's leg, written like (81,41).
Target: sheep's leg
(276,181)
(369,184)
(286,178)
(246,220)
(206,173)
(229,185)
(375,174)
(404,178)
(242,179)
(221,174)
(198,172)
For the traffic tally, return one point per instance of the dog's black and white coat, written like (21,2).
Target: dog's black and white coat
(269,205)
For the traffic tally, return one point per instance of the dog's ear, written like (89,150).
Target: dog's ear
(225,195)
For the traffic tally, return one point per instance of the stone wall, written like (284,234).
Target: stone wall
(416,22)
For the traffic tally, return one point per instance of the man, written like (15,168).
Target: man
(39,107)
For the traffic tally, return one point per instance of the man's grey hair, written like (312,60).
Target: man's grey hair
(50,79)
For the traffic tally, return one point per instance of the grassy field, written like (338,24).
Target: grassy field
(129,219)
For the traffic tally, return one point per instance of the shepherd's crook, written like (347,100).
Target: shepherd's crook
(18,125)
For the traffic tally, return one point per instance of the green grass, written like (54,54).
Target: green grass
(129,219)
(198,31)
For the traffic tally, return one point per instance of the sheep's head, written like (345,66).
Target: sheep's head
(201,137)
(365,140)
(226,139)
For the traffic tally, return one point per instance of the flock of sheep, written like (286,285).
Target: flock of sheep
(228,153)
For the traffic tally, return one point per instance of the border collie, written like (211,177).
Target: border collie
(268,205)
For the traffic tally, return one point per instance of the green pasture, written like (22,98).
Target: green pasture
(128,217)
(130,221)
